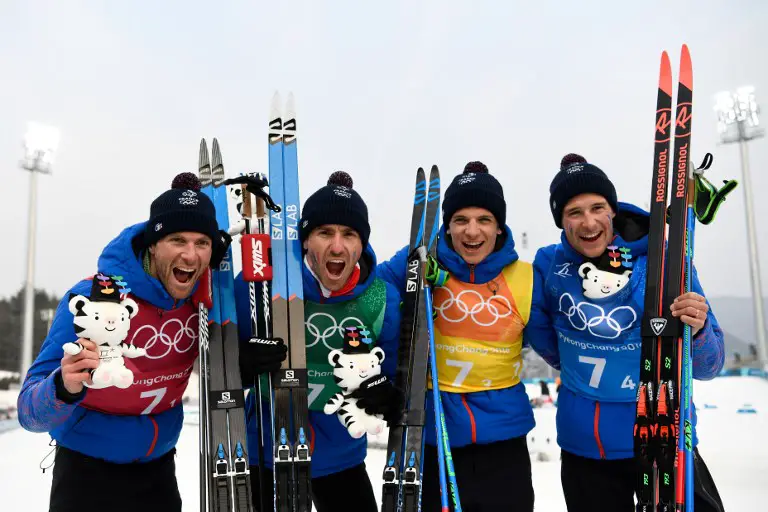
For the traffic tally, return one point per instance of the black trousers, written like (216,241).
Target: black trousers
(82,483)
(609,485)
(346,490)
(491,477)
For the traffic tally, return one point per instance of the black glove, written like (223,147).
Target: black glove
(377,395)
(260,355)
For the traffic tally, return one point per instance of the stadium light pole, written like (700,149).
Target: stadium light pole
(40,144)
(738,121)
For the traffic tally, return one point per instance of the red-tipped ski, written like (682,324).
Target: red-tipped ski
(655,320)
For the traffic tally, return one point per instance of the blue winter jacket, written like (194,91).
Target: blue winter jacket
(485,416)
(596,343)
(114,438)
(333,449)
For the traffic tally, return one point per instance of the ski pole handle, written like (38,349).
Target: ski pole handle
(256,252)
(246,202)
(204,295)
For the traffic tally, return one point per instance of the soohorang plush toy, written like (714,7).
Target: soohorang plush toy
(352,365)
(607,274)
(105,319)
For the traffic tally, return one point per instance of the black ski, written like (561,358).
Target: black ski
(404,465)
(645,431)
(656,425)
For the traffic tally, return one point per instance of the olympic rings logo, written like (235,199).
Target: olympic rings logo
(182,341)
(456,309)
(593,318)
(325,334)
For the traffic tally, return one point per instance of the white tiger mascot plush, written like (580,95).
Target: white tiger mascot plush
(351,366)
(604,276)
(105,319)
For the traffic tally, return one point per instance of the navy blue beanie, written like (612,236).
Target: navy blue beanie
(577,177)
(475,187)
(185,208)
(336,203)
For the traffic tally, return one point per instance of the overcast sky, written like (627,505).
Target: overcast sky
(379,91)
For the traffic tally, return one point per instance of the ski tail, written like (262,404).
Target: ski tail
(655,318)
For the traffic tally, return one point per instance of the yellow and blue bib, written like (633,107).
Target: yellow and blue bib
(479,330)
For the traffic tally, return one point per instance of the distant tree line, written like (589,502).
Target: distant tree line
(12,327)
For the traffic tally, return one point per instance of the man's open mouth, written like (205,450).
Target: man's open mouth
(335,267)
(591,237)
(183,275)
(472,246)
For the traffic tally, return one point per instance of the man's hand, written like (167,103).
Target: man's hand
(692,309)
(76,368)
(261,355)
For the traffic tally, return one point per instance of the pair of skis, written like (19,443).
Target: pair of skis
(288,397)
(225,483)
(225,479)
(663,432)
(401,490)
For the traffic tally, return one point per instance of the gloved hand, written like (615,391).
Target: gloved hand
(435,274)
(377,395)
(260,355)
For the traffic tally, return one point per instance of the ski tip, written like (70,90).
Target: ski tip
(686,69)
(202,160)
(420,179)
(290,107)
(217,170)
(274,109)
(665,74)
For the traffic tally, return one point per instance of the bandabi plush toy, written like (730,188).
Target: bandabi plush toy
(352,365)
(105,319)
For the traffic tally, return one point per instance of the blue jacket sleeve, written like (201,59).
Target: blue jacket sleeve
(539,332)
(389,338)
(393,272)
(40,408)
(708,347)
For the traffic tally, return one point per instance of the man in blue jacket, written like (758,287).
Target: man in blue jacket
(585,321)
(115,409)
(341,290)
(481,314)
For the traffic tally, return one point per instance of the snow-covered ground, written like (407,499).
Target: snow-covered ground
(731,437)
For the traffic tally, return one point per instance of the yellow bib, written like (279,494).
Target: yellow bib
(479,330)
